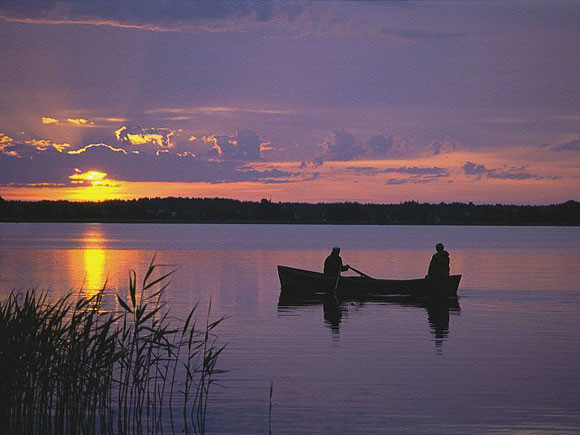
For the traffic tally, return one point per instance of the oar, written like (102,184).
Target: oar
(334,296)
(336,284)
(364,275)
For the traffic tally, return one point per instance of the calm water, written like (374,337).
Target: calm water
(507,359)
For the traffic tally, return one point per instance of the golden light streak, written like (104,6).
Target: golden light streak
(95,22)
(178,27)
(97,145)
(46,120)
(112,119)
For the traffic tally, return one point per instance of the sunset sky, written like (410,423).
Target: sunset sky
(294,101)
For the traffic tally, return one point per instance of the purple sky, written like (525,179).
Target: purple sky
(317,101)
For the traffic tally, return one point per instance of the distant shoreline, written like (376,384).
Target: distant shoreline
(266,212)
(240,222)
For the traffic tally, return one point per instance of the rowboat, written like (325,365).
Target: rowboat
(302,283)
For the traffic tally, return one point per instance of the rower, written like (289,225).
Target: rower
(439,265)
(333,264)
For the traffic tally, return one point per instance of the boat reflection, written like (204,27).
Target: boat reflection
(333,310)
(438,310)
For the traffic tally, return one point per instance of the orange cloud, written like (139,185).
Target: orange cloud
(78,122)
(46,120)
(5,142)
(5,138)
(160,137)
(214,144)
(44,144)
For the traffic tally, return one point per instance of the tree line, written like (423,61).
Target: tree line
(219,210)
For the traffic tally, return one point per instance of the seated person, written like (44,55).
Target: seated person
(439,265)
(333,263)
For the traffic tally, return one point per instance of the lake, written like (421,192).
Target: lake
(505,359)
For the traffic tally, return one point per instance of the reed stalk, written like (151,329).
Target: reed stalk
(73,367)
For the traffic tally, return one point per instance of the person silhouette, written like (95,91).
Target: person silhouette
(333,264)
(439,265)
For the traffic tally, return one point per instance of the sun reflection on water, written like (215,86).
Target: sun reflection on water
(94,261)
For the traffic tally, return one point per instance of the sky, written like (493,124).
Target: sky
(315,101)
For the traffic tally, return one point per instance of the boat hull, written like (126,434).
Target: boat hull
(303,283)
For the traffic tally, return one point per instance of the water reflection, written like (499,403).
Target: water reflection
(438,310)
(333,310)
(94,260)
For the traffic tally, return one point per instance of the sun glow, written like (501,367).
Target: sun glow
(95,178)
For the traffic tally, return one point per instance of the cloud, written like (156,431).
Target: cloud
(44,144)
(313,163)
(364,170)
(414,174)
(158,137)
(470,168)
(96,145)
(342,145)
(414,170)
(176,16)
(417,175)
(505,120)
(34,185)
(243,145)
(51,166)
(7,146)
(210,110)
(418,35)
(28,148)
(574,117)
(78,122)
(5,138)
(570,146)
(441,147)
(495,173)
(396,181)
(512,173)
(380,144)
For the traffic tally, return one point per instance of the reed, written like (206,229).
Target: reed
(70,366)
